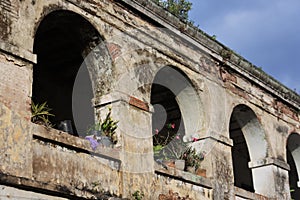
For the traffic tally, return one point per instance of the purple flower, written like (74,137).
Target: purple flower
(93,142)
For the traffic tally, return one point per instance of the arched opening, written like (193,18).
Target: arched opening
(293,159)
(175,102)
(240,155)
(248,144)
(166,111)
(63,39)
(166,107)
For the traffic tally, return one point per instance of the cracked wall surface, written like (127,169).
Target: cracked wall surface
(135,41)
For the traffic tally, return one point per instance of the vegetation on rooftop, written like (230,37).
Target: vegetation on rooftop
(179,8)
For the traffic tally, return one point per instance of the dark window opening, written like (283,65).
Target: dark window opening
(240,155)
(166,93)
(59,44)
(166,111)
(293,144)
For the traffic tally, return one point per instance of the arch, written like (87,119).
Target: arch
(249,144)
(293,159)
(70,61)
(54,8)
(175,100)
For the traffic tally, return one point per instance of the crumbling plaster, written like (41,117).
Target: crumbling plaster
(138,50)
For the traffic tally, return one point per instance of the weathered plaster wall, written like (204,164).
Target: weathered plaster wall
(15,135)
(138,49)
(8,193)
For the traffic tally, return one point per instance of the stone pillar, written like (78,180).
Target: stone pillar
(218,164)
(270,178)
(15,93)
(134,140)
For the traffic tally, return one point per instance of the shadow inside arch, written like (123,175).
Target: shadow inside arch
(249,144)
(293,159)
(173,85)
(62,77)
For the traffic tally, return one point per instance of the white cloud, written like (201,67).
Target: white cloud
(264,32)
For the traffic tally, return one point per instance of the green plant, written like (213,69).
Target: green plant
(179,8)
(94,127)
(226,53)
(167,144)
(291,191)
(176,149)
(106,128)
(173,195)
(41,113)
(109,126)
(157,149)
(192,158)
(138,195)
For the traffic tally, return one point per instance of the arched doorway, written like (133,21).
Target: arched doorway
(293,159)
(62,41)
(248,144)
(175,102)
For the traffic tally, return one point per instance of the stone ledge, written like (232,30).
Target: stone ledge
(8,192)
(248,195)
(47,188)
(33,185)
(269,161)
(218,138)
(17,51)
(185,176)
(79,144)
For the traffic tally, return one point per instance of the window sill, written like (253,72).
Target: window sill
(78,144)
(185,176)
(239,192)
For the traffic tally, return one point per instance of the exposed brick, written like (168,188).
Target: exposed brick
(114,50)
(282,108)
(226,76)
(138,103)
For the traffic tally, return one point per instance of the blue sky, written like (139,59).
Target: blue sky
(266,33)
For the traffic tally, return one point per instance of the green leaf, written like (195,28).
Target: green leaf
(40,113)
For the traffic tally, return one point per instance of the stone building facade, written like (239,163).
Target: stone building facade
(136,58)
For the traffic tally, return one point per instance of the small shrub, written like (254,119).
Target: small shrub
(41,113)
(138,195)
(109,126)
(173,196)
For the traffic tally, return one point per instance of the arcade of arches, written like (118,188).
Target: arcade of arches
(61,43)
(82,57)
(61,77)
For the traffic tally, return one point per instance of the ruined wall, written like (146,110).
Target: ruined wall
(140,39)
